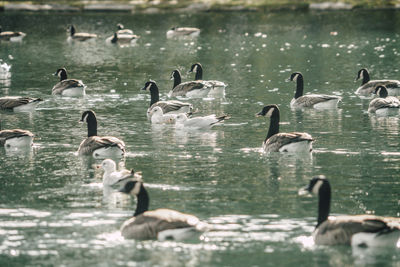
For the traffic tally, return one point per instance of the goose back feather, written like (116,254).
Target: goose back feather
(188,89)
(18,103)
(80,36)
(384,104)
(16,138)
(183,32)
(11,36)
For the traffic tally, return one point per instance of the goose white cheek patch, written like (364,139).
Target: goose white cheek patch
(316,187)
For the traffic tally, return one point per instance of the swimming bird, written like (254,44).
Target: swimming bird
(283,142)
(113,176)
(182,121)
(161,224)
(16,138)
(168,107)
(11,36)
(122,30)
(183,32)
(19,103)
(197,68)
(79,36)
(122,39)
(368,86)
(158,117)
(68,87)
(99,146)
(188,89)
(384,104)
(355,230)
(311,100)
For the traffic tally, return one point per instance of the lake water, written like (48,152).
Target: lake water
(52,210)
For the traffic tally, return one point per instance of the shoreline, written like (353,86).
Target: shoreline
(174,6)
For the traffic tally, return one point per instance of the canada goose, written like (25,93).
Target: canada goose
(283,142)
(68,87)
(19,103)
(368,86)
(183,32)
(11,36)
(122,39)
(79,36)
(16,138)
(161,224)
(158,117)
(311,100)
(183,121)
(384,105)
(99,146)
(355,230)
(112,176)
(168,107)
(198,69)
(188,89)
(122,30)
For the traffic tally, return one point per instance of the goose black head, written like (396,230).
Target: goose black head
(381,91)
(88,116)
(61,73)
(195,67)
(361,74)
(295,76)
(175,74)
(268,111)
(316,185)
(120,26)
(149,85)
(131,187)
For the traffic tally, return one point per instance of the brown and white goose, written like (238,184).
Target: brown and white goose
(19,103)
(99,146)
(368,86)
(16,138)
(355,230)
(68,87)
(11,36)
(189,89)
(384,105)
(168,107)
(183,32)
(161,224)
(310,100)
(283,142)
(79,36)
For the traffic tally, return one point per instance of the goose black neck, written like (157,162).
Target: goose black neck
(299,86)
(63,75)
(365,77)
(154,93)
(142,201)
(383,93)
(177,79)
(274,124)
(114,39)
(92,125)
(199,73)
(324,203)
(72,30)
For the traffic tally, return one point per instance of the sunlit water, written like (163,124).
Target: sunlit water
(52,208)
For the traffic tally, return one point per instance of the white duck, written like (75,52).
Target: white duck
(182,121)
(158,117)
(113,176)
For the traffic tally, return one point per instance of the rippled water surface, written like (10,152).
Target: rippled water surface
(52,210)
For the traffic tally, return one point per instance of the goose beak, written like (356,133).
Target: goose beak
(259,115)
(303,191)
(288,80)
(144,89)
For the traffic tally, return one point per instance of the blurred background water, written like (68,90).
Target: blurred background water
(52,210)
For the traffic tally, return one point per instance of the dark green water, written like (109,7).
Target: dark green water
(51,204)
